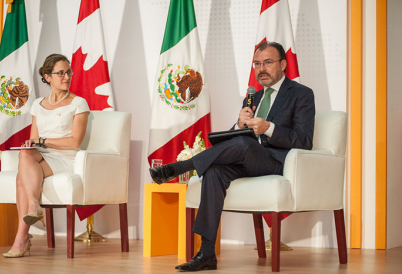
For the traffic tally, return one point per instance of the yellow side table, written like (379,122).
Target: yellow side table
(165,221)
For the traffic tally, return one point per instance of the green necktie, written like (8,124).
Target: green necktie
(265,104)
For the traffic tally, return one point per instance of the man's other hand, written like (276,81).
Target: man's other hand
(245,115)
(259,125)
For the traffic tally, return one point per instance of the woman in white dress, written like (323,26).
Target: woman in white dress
(59,122)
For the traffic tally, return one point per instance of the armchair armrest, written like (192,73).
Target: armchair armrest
(104,175)
(316,178)
(9,160)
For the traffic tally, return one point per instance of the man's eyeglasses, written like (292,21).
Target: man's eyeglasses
(266,64)
(63,73)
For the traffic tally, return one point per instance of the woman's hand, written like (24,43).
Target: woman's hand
(30,143)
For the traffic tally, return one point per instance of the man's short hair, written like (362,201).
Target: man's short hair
(266,44)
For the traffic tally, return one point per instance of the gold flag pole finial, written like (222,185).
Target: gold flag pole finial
(90,235)
(9,2)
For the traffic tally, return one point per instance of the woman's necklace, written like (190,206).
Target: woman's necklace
(55,103)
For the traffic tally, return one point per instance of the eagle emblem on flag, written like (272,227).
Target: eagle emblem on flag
(13,95)
(178,86)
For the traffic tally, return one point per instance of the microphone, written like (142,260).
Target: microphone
(250,96)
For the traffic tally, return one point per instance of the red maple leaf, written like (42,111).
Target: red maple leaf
(84,82)
(292,69)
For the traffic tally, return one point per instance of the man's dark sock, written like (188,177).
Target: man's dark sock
(182,166)
(207,247)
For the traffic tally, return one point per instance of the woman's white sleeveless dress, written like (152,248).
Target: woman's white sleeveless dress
(58,123)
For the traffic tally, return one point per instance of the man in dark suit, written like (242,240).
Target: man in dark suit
(282,115)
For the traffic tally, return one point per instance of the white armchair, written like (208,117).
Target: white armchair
(100,175)
(312,180)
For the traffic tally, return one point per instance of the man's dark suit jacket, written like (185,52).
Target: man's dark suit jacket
(293,113)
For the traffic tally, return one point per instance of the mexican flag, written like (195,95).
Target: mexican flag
(275,25)
(91,73)
(17,90)
(180,107)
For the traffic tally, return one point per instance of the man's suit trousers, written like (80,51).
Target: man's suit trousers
(219,165)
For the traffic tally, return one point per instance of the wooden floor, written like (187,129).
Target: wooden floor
(107,258)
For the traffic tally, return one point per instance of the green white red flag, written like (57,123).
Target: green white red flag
(91,73)
(16,83)
(275,25)
(180,107)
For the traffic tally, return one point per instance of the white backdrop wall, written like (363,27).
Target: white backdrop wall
(134,32)
(394,116)
(369,125)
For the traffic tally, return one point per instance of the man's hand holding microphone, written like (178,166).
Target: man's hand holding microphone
(246,115)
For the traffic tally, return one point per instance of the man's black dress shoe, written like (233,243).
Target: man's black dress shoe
(199,262)
(161,174)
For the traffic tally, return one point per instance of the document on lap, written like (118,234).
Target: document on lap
(217,137)
(40,149)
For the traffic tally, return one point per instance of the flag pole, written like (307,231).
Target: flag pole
(90,235)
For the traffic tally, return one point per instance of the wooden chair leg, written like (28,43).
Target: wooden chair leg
(276,240)
(50,228)
(70,230)
(259,235)
(341,236)
(190,218)
(123,227)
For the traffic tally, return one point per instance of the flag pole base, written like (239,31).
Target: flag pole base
(268,245)
(87,237)
(90,235)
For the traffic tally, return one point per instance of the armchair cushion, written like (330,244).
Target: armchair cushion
(264,193)
(60,189)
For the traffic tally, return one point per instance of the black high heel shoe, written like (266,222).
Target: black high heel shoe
(162,174)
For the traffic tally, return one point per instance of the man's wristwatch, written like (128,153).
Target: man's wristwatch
(43,142)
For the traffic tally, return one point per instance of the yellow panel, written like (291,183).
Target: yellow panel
(356,54)
(8,224)
(165,221)
(381,130)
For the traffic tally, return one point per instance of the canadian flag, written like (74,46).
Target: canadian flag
(275,26)
(91,74)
